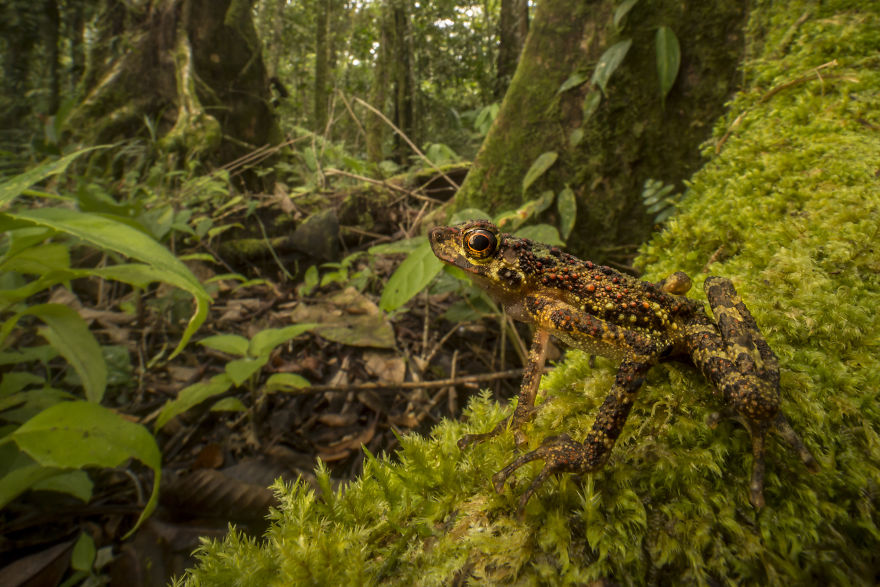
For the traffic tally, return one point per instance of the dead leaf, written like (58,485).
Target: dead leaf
(407,420)
(347,317)
(338,420)
(210,457)
(208,492)
(386,367)
(335,451)
(41,568)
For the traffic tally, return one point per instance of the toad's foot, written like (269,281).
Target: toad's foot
(560,454)
(521,416)
(758,431)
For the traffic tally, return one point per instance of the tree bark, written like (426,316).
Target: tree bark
(375,127)
(404,82)
(193,67)
(631,137)
(51,31)
(322,57)
(513,26)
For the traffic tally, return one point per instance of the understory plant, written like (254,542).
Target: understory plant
(50,433)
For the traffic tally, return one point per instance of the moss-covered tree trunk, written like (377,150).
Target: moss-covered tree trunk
(192,68)
(513,26)
(632,136)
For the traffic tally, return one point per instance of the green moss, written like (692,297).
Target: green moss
(789,209)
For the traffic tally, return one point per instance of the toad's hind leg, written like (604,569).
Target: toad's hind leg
(735,357)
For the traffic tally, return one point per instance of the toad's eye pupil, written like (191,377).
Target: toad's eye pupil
(480,242)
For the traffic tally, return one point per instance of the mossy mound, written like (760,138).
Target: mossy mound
(789,209)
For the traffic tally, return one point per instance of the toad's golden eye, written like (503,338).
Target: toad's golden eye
(480,243)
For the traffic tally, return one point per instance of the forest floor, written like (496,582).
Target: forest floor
(367,377)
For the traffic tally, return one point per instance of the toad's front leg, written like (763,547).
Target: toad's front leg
(525,406)
(561,454)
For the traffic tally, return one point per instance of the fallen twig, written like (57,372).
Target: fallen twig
(463,380)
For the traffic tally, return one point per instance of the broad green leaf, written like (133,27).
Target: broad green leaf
(69,334)
(621,12)
(566,204)
(266,340)
(573,81)
(81,434)
(310,279)
(609,62)
(668,58)
(17,481)
(83,555)
(510,221)
(39,260)
(15,186)
(43,353)
(591,103)
(25,238)
(576,136)
(134,274)
(407,245)
(35,401)
(542,233)
(538,168)
(20,475)
(229,404)
(233,344)
(44,282)
(411,277)
(240,370)
(121,238)
(285,382)
(75,483)
(15,381)
(191,396)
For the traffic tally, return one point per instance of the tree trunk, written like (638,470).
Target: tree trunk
(631,137)
(18,26)
(513,26)
(76,33)
(51,25)
(192,67)
(322,56)
(404,82)
(375,127)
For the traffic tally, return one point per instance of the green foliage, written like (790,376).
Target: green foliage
(539,166)
(609,62)
(566,205)
(668,59)
(789,211)
(410,277)
(253,355)
(72,435)
(48,437)
(621,11)
(658,201)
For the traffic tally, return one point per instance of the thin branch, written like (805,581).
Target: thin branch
(463,380)
(383,183)
(408,141)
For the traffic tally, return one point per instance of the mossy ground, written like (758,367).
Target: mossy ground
(789,209)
